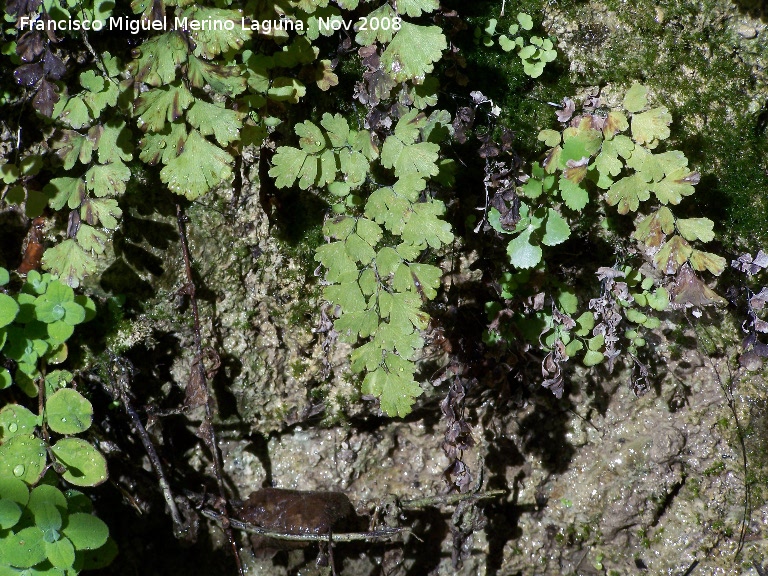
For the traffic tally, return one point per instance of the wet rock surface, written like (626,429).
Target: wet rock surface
(604,483)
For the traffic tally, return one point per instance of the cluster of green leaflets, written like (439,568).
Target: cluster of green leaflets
(50,532)
(594,158)
(535,53)
(46,531)
(374,281)
(35,325)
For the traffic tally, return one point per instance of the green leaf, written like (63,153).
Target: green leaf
(210,119)
(9,309)
(371,35)
(695,229)
(675,185)
(574,196)
(652,229)
(72,147)
(556,229)
(99,558)
(593,358)
(65,192)
(25,548)
(114,143)
(522,253)
(68,412)
(340,267)
(651,126)
(352,325)
(69,262)
(10,513)
(673,254)
(107,179)
(627,193)
(74,113)
(415,8)
(550,137)
(348,296)
(707,261)
(659,299)
(199,167)
(14,490)
(165,104)
(424,226)
(23,457)
(163,146)
(636,98)
(85,531)
(61,553)
(525,20)
(105,210)
(85,465)
(397,392)
(210,42)
(228,80)
(410,158)
(413,51)
(16,420)
(158,58)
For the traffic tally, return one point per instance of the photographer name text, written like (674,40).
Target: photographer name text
(135,26)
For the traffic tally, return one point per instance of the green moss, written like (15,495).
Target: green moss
(716,468)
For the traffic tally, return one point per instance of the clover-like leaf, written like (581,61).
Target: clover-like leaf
(68,412)
(16,420)
(23,457)
(85,466)
(85,531)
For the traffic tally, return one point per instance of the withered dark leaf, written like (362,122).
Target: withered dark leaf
(45,98)
(30,46)
(22,7)
(759,300)
(29,74)
(689,291)
(53,66)
(569,107)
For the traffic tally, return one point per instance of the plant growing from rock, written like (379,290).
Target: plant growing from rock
(605,156)
(534,52)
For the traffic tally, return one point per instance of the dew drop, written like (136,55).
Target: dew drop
(13,427)
(63,419)
(18,470)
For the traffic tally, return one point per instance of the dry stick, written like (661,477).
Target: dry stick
(120,392)
(449,500)
(372,536)
(208,428)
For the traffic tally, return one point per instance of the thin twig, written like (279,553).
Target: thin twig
(207,428)
(120,390)
(380,535)
(449,500)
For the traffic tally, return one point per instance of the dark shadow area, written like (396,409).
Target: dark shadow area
(13,229)
(755,8)
(544,434)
